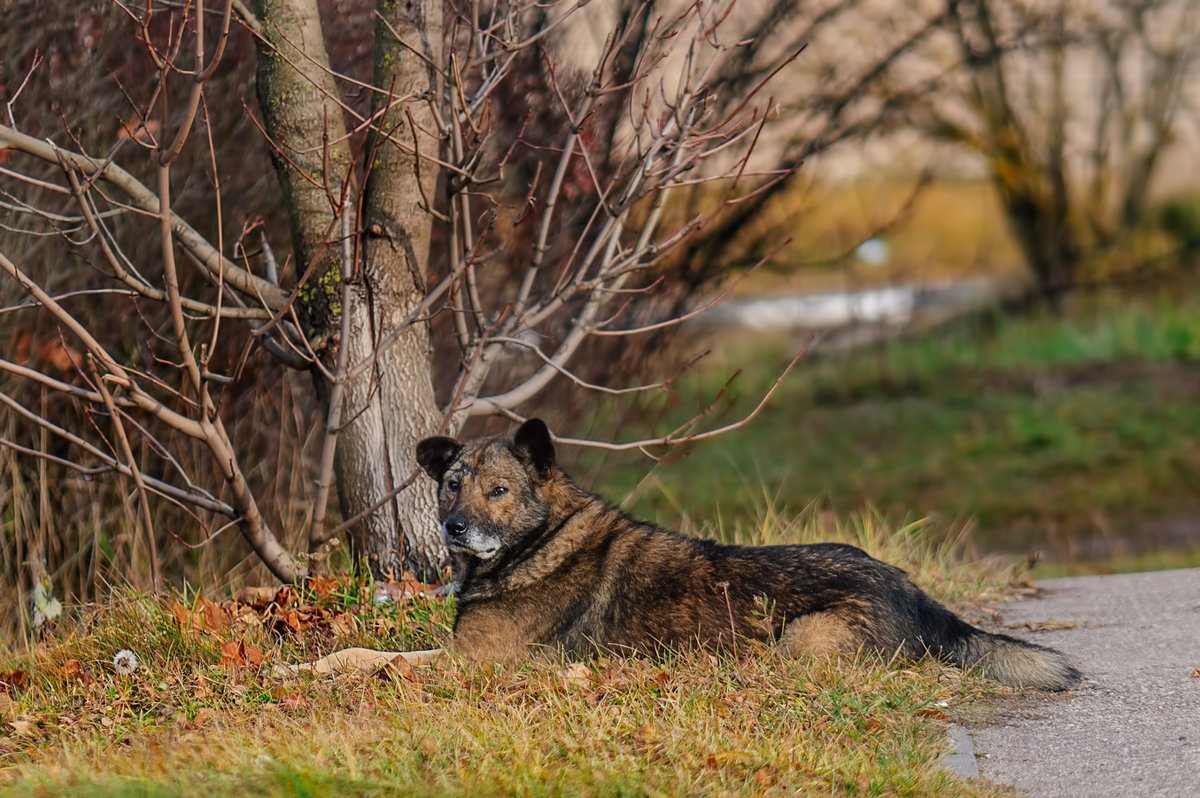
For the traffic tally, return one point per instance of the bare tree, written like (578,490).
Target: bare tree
(413,213)
(1072,106)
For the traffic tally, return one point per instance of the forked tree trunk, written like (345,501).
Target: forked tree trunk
(389,406)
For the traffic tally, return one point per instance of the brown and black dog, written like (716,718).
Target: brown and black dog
(538,561)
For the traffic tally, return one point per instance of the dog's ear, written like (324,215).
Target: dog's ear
(435,454)
(533,444)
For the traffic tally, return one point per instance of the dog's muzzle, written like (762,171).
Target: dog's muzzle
(458,535)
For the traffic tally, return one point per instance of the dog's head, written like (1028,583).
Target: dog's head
(489,496)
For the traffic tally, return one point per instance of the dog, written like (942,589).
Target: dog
(538,561)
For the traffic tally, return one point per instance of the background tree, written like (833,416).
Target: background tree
(1072,106)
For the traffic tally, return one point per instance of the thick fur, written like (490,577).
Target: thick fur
(538,561)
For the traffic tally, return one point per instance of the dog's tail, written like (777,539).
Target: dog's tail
(1011,661)
(1000,657)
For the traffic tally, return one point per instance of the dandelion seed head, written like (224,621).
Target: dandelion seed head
(126,662)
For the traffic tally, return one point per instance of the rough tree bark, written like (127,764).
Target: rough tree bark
(373,274)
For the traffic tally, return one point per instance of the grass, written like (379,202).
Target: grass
(191,721)
(1044,433)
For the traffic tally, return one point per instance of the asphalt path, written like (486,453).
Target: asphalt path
(1133,727)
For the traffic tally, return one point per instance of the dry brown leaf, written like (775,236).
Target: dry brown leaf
(322,586)
(405,588)
(203,616)
(257,597)
(74,669)
(215,617)
(235,654)
(284,621)
(13,681)
(23,726)
(1196,673)
(141,131)
(183,615)
(343,623)
(646,735)
(206,716)
(399,667)
(47,353)
(737,697)
(294,701)
(577,673)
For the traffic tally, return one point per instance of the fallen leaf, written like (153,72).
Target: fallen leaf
(285,596)
(206,716)
(74,669)
(645,735)
(403,589)
(235,653)
(294,701)
(1196,673)
(215,616)
(399,667)
(23,726)
(203,616)
(577,673)
(284,621)
(343,624)
(13,681)
(257,597)
(737,697)
(322,586)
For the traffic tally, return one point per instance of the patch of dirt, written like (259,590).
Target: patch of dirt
(1006,709)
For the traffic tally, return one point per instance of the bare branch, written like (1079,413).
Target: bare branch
(145,200)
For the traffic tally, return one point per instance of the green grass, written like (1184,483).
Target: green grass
(746,722)
(1039,431)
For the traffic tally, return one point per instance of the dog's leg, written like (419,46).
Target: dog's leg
(356,660)
(819,634)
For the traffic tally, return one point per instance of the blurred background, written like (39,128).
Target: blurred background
(983,229)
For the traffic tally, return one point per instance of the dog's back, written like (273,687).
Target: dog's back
(541,562)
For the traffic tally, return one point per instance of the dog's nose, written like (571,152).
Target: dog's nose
(455,525)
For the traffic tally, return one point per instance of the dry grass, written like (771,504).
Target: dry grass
(190,721)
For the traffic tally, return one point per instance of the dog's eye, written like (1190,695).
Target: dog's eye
(499,490)
(452,485)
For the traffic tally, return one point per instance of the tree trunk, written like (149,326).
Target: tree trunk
(386,409)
